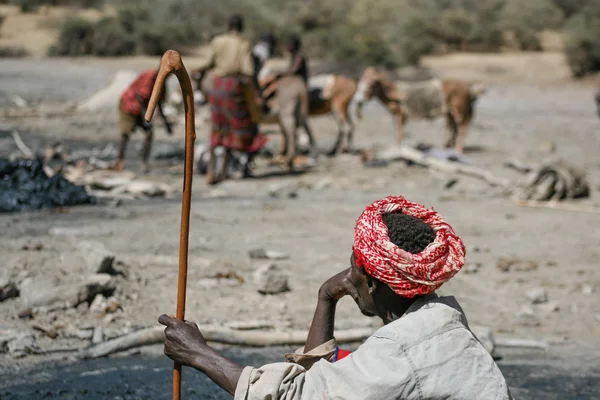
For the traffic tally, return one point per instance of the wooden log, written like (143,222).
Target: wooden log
(155,335)
(558,206)
(396,153)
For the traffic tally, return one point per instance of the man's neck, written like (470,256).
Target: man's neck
(395,307)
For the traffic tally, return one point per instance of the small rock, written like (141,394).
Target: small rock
(504,264)
(8,288)
(550,307)
(585,289)
(323,183)
(537,295)
(98,305)
(526,266)
(98,335)
(270,279)
(76,333)
(262,254)
(21,345)
(43,292)
(472,268)
(527,317)
(282,190)
(485,336)
(98,259)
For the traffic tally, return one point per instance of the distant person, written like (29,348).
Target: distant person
(132,108)
(234,98)
(298,66)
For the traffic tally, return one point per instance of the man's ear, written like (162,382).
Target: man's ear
(371,284)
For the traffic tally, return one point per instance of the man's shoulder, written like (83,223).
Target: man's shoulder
(432,318)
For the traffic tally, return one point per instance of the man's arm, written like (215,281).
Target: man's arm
(185,344)
(323,323)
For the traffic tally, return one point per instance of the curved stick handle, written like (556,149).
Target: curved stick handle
(171,63)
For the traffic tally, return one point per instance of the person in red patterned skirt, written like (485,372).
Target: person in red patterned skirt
(132,108)
(402,253)
(234,98)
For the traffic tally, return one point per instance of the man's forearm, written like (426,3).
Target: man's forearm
(219,369)
(321,329)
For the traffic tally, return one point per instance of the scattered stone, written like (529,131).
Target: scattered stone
(101,305)
(98,259)
(98,305)
(505,264)
(526,266)
(527,317)
(79,232)
(49,332)
(472,268)
(550,307)
(8,288)
(262,254)
(323,183)
(537,295)
(33,247)
(25,314)
(585,289)
(43,292)
(98,335)
(21,345)
(485,336)
(76,333)
(282,190)
(271,280)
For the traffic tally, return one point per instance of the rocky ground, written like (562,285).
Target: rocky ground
(530,274)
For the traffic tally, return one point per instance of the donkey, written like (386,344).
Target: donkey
(429,99)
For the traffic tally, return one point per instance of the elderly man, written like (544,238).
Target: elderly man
(132,107)
(402,253)
(234,98)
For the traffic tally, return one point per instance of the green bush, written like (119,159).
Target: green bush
(110,38)
(583,41)
(526,19)
(76,38)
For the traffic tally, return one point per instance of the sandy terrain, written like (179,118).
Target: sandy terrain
(516,118)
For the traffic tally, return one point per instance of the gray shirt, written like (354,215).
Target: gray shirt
(428,353)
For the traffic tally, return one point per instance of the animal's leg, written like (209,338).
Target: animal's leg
(400,118)
(210,173)
(146,151)
(460,137)
(288,125)
(311,139)
(349,129)
(120,164)
(339,143)
(452,130)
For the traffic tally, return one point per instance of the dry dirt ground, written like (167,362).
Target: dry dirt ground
(530,109)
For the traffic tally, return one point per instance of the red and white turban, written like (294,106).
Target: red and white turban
(407,274)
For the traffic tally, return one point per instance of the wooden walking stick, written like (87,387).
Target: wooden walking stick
(171,63)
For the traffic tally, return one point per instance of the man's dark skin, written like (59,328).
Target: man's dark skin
(185,344)
(147,126)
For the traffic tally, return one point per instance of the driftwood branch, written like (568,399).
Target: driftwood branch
(155,335)
(21,145)
(420,158)
(557,206)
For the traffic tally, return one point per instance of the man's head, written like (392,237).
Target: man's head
(409,234)
(235,23)
(401,251)
(294,44)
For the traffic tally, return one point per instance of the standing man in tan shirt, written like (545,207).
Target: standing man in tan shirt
(233,99)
